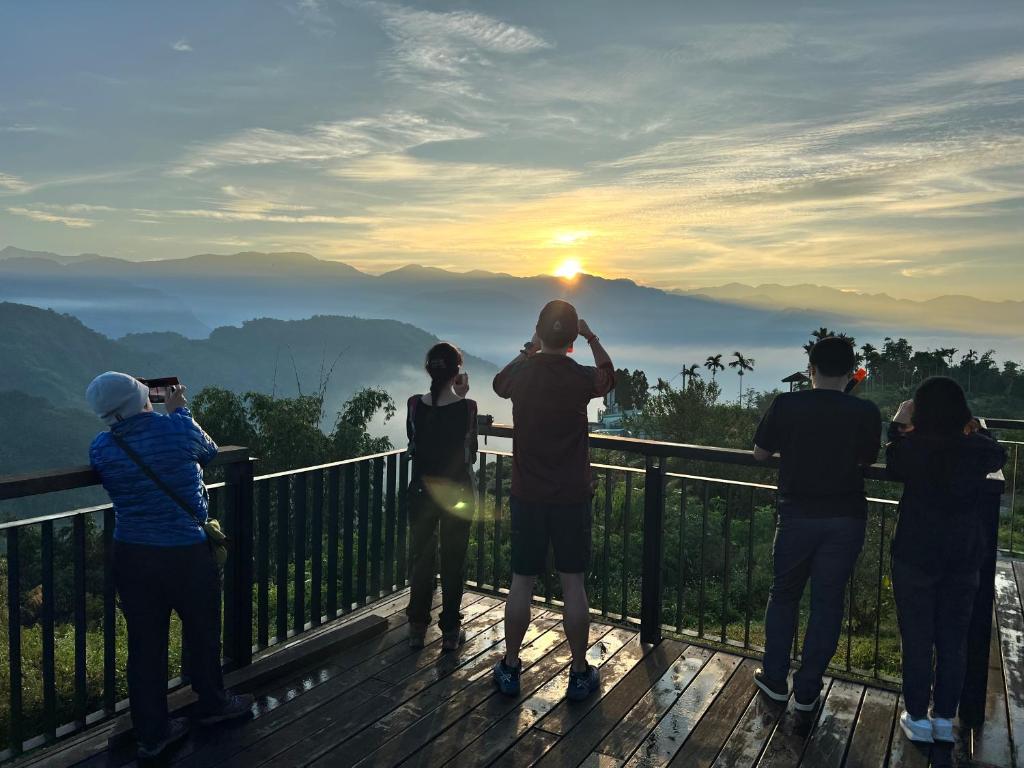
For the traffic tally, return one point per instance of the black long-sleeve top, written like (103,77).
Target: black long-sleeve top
(941,524)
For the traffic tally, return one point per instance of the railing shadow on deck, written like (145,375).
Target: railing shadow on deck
(674,551)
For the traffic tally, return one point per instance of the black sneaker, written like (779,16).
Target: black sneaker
(808,706)
(235,707)
(773,689)
(177,729)
(507,678)
(583,684)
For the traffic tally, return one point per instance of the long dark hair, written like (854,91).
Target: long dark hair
(443,362)
(940,408)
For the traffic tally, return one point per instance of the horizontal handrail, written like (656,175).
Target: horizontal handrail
(1003,423)
(70,478)
(330,465)
(734,456)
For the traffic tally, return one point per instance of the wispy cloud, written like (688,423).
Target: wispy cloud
(439,50)
(321,143)
(313,15)
(45,216)
(181,46)
(12,183)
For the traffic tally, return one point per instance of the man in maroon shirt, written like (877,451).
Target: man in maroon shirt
(551,483)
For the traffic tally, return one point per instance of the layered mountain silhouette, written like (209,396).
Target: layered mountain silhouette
(49,359)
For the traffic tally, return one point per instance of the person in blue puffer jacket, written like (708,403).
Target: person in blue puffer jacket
(162,560)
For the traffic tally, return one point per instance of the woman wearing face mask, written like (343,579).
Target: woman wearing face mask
(441,426)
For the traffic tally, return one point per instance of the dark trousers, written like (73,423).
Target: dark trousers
(933,612)
(151,582)
(428,515)
(825,551)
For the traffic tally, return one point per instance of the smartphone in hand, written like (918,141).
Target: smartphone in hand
(160,388)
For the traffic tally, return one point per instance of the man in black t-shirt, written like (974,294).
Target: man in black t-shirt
(824,437)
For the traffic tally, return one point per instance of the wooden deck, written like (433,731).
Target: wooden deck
(676,704)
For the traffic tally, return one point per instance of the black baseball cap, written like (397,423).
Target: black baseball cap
(558,325)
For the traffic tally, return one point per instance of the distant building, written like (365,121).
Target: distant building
(797,380)
(611,420)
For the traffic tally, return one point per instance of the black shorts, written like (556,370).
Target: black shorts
(565,526)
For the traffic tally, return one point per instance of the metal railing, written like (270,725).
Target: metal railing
(676,549)
(307,546)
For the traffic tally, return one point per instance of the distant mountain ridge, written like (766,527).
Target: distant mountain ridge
(489,314)
(966,313)
(52,357)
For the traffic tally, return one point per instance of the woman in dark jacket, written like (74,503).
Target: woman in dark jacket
(162,560)
(942,457)
(441,426)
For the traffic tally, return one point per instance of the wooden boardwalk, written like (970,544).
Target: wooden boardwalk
(676,704)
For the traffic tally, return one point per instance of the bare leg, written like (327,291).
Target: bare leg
(576,617)
(517,616)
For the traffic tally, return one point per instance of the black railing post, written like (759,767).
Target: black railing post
(238,489)
(654,514)
(979,632)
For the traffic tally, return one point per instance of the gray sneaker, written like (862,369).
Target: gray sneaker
(417,635)
(235,707)
(452,639)
(177,729)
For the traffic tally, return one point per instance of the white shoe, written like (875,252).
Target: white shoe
(917,730)
(942,729)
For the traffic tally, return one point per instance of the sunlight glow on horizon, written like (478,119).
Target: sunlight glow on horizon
(568,269)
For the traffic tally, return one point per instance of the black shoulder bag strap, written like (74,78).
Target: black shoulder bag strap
(155,478)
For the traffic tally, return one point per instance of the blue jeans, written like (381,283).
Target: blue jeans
(825,551)
(934,611)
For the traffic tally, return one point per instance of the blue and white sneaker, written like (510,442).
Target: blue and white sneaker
(942,729)
(917,730)
(507,678)
(583,684)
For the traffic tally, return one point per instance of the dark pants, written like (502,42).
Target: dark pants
(825,551)
(426,516)
(934,612)
(151,582)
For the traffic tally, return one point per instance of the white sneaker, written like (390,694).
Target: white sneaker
(917,730)
(942,729)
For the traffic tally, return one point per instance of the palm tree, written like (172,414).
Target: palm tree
(969,360)
(741,364)
(950,351)
(689,372)
(714,364)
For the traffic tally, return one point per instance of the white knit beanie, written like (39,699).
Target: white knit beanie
(116,396)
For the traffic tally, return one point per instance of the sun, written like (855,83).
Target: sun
(569,269)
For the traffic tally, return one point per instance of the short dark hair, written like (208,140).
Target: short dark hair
(833,356)
(558,325)
(940,408)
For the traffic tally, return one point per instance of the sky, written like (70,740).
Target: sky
(871,146)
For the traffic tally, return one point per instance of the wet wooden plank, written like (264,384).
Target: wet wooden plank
(597,760)
(903,752)
(642,718)
(711,733)
(408,727)
(869,747)
(1011,638)
(566,714)
(591,730)
(827,744)
(675,727)
(528,750)
(504,733)
(445,745)
(787,742)
(334,721)
(748,738)
(288,701)
(990,743)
